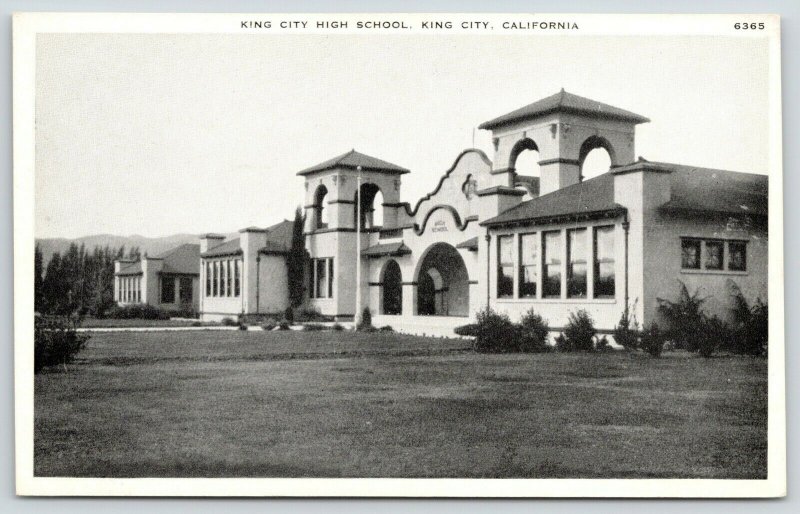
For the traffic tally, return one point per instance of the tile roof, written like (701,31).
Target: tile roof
(692,189)
(278,240)
(379,250)
(564,102)
(132,268)
(592,196)
(353,159)
(469,244)
(184,259)
(230,247)
(531,184)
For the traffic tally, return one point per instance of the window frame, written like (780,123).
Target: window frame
(597,261)
(580,232)
(554,262)
(523,266)
(501,265)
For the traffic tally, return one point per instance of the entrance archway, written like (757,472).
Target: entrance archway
(442,283)
(392,293)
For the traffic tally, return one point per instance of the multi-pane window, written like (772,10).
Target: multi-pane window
(321,275)
(551,265)
(208,279)
(167,289)
(737,256)
(713,254)
(185,293)
(322,281)
(690,253)
(576,258)
(505,266)
(228,279)
(713,257)
(216,278)
(527,265)
(237,278)
(604,276)
(138,289)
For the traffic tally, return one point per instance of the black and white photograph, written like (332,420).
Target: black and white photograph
(531,255)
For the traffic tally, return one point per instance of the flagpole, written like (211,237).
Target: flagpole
(357,317)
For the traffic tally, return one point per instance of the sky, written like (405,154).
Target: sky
(161,134)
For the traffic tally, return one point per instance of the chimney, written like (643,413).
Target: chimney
(209,241)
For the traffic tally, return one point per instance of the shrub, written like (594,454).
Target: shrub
(229,322)
(561,343)
(532,333)
(652,340)
(626,333)
(685,319)
(269,324)
(750,329)
(288,315)
(314,327)
(602,345)
(495,333)
(337,327)
(242,326)
(197,324)
(470,330)
(310,314)
(284,324)
(580,332)
(715,334)
(366,319)
(386,328)
(138,311)
(56,341)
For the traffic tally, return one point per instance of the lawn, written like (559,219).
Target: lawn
(343,404)
(129,323)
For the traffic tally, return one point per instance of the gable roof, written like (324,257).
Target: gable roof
(692,189)
(184,259)
(590,197)
(132,268)
(719,191)
(230,247)
(279,238)
(564,102)
(351,160)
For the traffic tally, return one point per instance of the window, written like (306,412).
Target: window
(330,278)
(138,289)
(186,290)
(228,279)
(216,278)
(690,254)
(700,254)
(551,268)
(527,265)
(167,289)
(604,276)
(320,215)
(322,281)
(737,256)
(714,250)
(237,278)
(321,275)
(576,256)
(505,266)
(208,279)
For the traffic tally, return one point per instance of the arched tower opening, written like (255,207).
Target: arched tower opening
(320,212)
(596,156)
(369,194)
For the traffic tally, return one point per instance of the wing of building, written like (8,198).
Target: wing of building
(556,243)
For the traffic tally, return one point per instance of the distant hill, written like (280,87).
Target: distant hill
(150,245)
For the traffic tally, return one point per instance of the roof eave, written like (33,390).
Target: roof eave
(557,218)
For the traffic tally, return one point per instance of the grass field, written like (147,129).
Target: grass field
(326,404)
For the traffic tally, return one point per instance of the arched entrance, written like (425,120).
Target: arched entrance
(392,290)
(442,283)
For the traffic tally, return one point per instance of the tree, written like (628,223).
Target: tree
(296,261)
(38,270)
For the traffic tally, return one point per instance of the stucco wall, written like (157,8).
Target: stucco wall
(663,263)
(273,285)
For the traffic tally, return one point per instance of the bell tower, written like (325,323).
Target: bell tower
(331,193)
(563,128)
